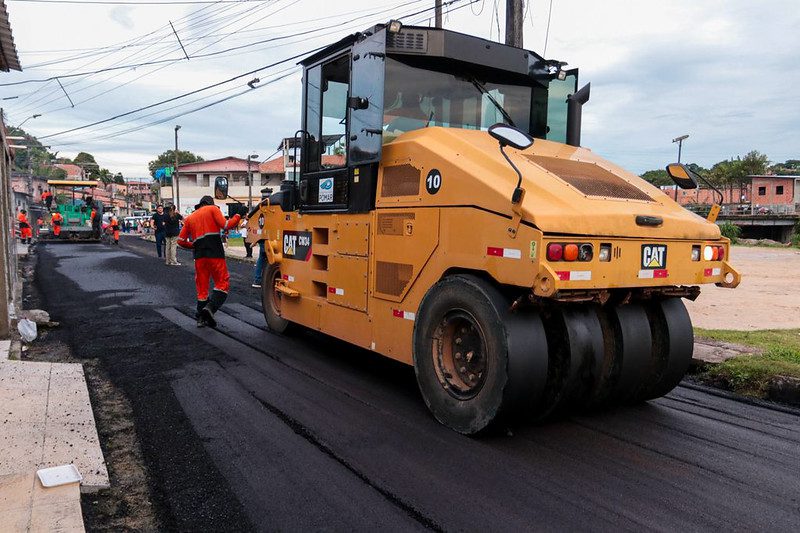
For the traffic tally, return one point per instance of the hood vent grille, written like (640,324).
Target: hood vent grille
(407,41)
(590,179)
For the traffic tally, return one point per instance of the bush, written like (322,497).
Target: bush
(731,231)
(796,235)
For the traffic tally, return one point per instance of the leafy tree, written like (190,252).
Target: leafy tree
(657,177)
(90,167)
(754,163)
(790,166)
(167,159)
(119,178)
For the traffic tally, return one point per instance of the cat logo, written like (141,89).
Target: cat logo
(654,256)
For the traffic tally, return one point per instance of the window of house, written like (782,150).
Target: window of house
(779,189)
(762,191)
(204,181)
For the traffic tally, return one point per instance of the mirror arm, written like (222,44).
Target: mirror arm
(710,186)
(516,197)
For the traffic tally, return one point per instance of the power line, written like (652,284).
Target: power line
(202,89)
(192,56)
(234,78)
(135,2)
(547,33)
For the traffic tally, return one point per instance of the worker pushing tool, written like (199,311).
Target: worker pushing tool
(201,233)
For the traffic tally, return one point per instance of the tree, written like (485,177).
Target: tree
(657,177)
(90,167)
(789,167)
(119,178)
(167,159)
(755,163)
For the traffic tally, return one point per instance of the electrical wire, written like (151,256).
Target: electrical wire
(547,33)
(134,2)
(196,91)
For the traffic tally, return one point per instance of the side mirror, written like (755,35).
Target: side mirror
(357,102)
(682,176)
(510,136)
(220,187)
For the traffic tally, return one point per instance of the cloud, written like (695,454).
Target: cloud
(723,71)
(122,15)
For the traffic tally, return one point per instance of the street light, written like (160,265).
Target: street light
(250,181)
(175,180)
(679,140)
(27,119)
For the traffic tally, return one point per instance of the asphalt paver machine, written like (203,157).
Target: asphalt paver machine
(73,201)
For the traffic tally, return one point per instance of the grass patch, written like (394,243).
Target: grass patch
(236,241)
(751,375)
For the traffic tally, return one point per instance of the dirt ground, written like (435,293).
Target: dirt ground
(767,298)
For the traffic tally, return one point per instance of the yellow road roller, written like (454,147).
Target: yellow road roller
(441,212)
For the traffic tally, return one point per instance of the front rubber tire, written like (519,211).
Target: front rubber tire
(271,300)
(507,371)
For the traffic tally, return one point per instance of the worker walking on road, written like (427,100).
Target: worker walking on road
(56,220)
(201,233)
(25,232)
(39,224)
(114,225)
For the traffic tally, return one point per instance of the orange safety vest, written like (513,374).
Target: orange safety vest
(201,231)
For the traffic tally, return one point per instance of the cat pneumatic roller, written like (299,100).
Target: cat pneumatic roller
(441,212)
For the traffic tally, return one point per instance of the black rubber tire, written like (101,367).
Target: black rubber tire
(628,347)
(270,300)
(575,340)
(513,348)
(673,347)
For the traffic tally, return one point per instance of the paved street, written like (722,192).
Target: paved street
(243,429)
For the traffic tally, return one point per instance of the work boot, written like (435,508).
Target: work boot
(201,323)
(218,298)
(207,316)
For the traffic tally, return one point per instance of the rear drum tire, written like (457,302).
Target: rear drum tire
(476,362)
(673,347)
(271,300)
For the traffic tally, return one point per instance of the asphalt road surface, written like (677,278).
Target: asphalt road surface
(242,429)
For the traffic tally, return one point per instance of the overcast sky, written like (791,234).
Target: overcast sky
(725,72)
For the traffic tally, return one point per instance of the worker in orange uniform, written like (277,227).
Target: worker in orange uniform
(39,224)
(56,220)
(25,232)
(201,233)
(47,199)
(114,225)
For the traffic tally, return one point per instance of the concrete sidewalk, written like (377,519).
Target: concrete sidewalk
(46,420)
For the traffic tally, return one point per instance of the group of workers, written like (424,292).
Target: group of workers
(201,233)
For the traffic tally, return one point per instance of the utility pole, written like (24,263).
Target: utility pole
(514,20)
(175,179)
(438,11)
(250,158)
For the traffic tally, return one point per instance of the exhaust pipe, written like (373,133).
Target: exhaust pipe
(574,111)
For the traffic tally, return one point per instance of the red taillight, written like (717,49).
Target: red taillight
(715,253)
(570,252)
(554,252)
(721,253)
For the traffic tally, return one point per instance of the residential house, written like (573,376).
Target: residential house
(196,180)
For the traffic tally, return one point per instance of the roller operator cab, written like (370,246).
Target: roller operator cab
(443,214)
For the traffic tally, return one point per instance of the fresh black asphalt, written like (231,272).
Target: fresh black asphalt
(242,429)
